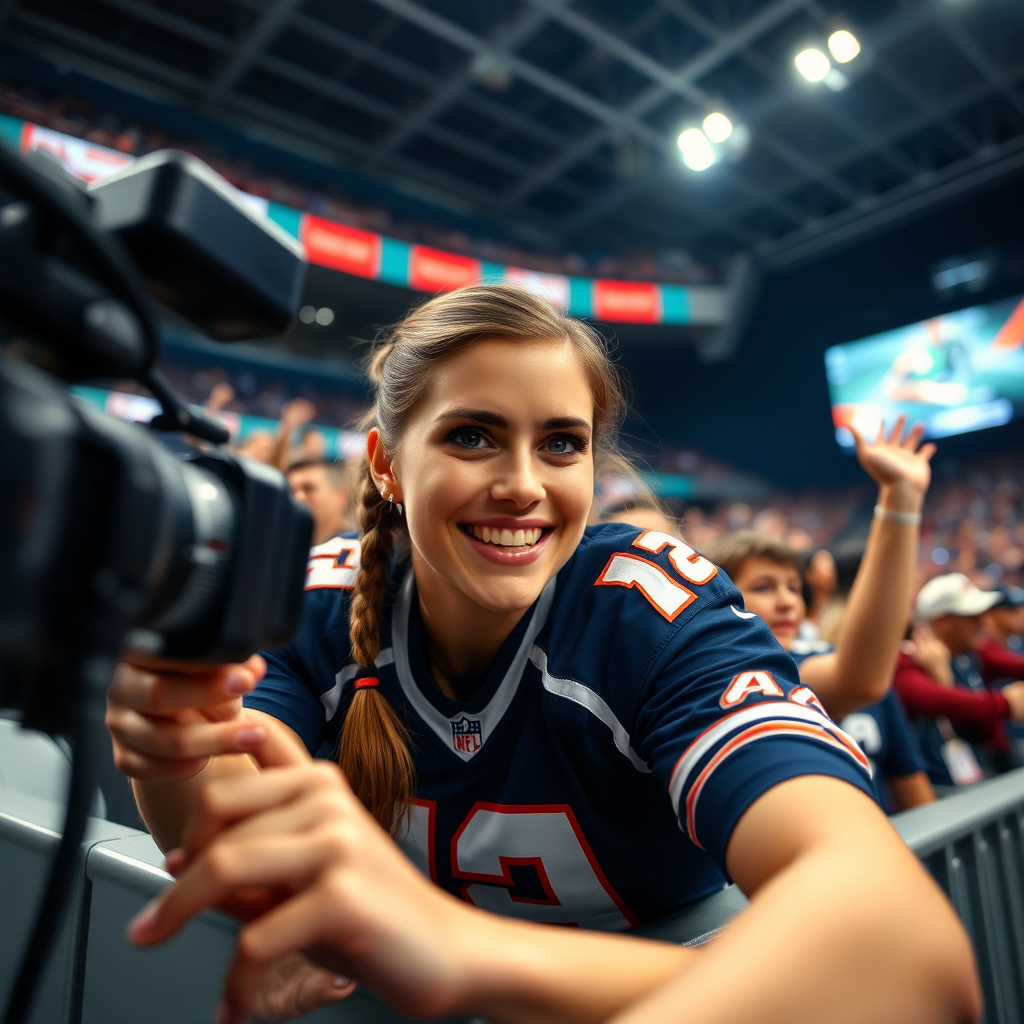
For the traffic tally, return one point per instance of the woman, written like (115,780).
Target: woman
(565,725)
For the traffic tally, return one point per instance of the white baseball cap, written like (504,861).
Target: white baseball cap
(953,594)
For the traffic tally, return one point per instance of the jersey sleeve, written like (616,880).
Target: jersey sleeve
(301,687)
(902,756)
(725,718)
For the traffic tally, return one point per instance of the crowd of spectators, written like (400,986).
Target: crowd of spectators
(75,115)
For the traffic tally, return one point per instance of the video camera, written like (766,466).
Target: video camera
(108,542)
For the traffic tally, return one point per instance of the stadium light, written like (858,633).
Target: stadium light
(717,127)
(325,316)
(696,149)
(812,64)
(843,45)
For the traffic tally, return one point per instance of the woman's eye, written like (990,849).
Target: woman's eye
(564,445)
(466,437)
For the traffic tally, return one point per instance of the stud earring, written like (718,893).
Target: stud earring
(391,498)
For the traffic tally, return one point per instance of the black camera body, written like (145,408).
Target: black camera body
(108,541)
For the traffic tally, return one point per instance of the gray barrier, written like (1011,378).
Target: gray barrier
(973,843)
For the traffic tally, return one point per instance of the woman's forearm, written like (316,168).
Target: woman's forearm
(520,973)
(851,929)
(879,605)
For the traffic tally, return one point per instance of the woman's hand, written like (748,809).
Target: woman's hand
(930,654)
(899,467)
(293,987)
(168,719)
(293,852)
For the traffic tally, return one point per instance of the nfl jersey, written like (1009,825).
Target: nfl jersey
(881,730)
(629,720)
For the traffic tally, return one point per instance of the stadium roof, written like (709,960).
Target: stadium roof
(563,116)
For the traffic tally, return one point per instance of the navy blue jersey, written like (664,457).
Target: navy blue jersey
(623,729)
(881,730)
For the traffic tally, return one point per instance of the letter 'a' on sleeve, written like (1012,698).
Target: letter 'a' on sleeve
(725,717)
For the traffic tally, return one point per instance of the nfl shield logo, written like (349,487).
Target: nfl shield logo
(466,735)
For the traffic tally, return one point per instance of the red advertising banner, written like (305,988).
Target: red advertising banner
(431,270)
(631,302)
(341,247)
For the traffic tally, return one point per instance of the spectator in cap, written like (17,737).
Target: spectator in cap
(945,681)
(322,486)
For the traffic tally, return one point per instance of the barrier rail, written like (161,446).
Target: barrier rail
(972,843)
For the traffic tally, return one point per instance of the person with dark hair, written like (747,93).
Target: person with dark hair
(558,723)
(322,486)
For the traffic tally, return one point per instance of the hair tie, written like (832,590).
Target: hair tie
(366,681)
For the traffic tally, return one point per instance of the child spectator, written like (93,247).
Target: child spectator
(942,676)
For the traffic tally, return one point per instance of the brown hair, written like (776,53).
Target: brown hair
(731,551)
(374,751)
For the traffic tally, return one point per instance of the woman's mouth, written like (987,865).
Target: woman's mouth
(506,545)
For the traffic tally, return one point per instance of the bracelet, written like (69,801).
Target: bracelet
(903,518)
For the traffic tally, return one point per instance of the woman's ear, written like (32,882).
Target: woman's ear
(382,467)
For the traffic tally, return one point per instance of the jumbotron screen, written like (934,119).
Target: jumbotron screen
(957,372)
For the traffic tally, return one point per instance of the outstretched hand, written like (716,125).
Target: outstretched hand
(897,460)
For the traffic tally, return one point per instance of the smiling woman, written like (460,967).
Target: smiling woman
(558,723)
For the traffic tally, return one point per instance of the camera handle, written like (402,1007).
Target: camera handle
(94,673)
(178,416)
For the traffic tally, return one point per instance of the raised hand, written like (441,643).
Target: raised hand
(897,462)
(930,654)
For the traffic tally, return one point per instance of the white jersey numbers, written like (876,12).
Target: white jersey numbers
(746,683)
(692,567)
(333,565)
(666,595)
(531,862)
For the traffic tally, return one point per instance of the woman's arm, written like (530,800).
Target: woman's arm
(842,917)
(859,672)
(843,925)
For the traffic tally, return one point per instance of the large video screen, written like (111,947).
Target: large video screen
(955,373)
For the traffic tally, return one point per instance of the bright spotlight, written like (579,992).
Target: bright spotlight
(717,127)
(307,314)
(843,45)
(696,149)
(812,64)
(325,316)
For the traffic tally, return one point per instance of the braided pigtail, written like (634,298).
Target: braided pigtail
(374,751)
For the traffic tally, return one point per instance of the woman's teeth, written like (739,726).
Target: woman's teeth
(506,538)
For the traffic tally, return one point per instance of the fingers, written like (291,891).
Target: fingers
(171,739)
(266,861)
(225,801)
(913,438)
(164,692)
(280,747)
(294,925)
(293,987)
(927,451)
(896,437)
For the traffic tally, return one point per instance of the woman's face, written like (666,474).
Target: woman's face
(772,590)
(496,471)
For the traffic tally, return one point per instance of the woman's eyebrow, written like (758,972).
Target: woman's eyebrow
(495,419)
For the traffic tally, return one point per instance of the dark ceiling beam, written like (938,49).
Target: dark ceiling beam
(559,88)
(667,82)
(329,88)
(958,35)
(896,28)
(498,48)
(911,124)
(905,201)
(453,193)
(249,48)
